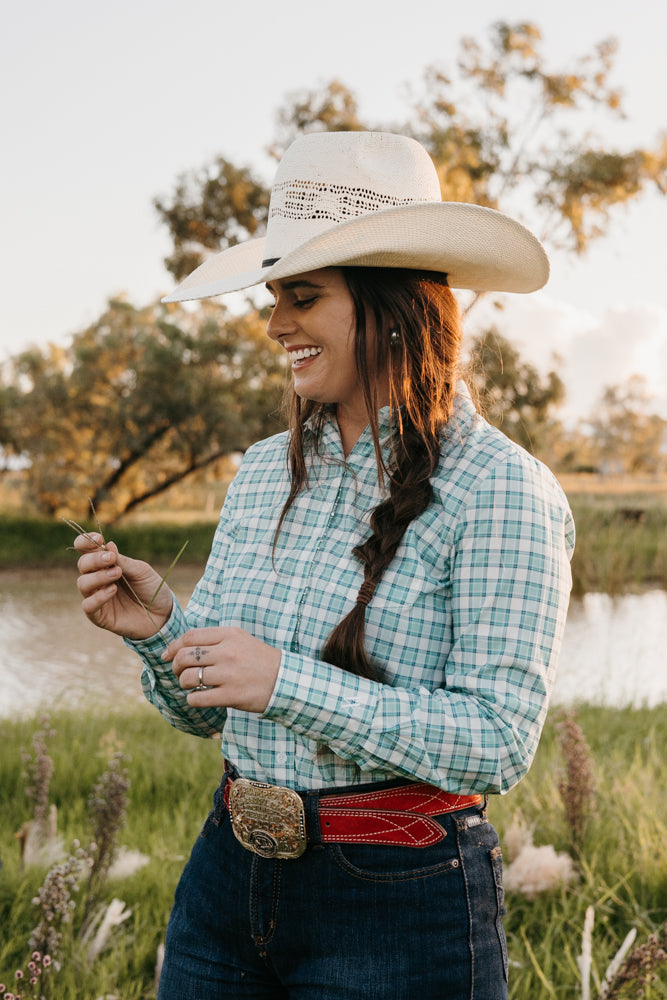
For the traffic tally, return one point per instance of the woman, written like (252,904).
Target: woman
(376,632)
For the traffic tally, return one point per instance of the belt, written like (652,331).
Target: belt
(271,820)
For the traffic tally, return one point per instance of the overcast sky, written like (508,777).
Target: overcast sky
(103,106)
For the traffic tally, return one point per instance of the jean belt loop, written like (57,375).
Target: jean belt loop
(312,806)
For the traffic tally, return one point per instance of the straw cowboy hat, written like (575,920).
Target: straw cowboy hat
(372,199)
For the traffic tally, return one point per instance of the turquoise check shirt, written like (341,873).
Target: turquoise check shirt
(466,622)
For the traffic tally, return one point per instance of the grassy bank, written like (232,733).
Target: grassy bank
(33,542)
(621,542)
(622,868)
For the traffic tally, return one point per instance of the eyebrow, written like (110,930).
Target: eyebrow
(289,286)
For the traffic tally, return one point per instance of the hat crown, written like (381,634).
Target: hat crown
(326,178)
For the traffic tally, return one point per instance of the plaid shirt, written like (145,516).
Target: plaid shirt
(466,622)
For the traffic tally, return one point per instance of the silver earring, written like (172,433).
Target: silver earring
(394,339)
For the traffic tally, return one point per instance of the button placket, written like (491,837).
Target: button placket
(294,645)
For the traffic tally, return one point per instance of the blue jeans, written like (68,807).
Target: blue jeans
(342,922)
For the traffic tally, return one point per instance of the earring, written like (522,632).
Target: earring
(394,339)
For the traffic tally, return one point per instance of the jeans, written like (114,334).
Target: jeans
(342,922)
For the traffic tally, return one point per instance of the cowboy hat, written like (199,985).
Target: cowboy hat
(372,199)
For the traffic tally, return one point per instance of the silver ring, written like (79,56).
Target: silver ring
(201,686)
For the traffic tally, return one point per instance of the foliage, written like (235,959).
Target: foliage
(141,399)
(215,208)
(622,871)
(505,130)
(511,393)
(148,396)
(628,437)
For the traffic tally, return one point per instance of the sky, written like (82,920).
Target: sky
(103,106)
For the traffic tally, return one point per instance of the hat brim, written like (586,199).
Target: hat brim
(478,248)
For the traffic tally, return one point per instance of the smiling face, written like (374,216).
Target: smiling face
(313,318)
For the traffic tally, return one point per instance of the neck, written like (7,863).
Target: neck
(351,424)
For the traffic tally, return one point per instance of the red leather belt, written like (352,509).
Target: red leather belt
(270,820)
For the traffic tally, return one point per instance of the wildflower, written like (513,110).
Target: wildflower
(577,786)
(639,966)
(107,805)
(38,772)
(54,899)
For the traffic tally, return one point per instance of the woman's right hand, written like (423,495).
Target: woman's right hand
(105,582)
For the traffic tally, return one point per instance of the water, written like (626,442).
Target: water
(51,656)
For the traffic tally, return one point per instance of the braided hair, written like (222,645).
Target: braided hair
(417,343)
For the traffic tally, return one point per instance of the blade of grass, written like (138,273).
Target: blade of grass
(536,965)
(164,578)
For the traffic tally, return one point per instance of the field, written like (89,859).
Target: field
(620,858)
(621,532)
(620,863)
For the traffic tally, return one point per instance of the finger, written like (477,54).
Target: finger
(192,638)
(98,558)
(88,541)
(91,605)
(197,678)
(191,656)
(90,583)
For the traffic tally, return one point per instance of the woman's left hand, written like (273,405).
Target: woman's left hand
(235,669)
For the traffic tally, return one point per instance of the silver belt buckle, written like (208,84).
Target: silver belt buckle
(268,820)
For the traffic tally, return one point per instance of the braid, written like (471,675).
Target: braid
(410,493)
(421,371)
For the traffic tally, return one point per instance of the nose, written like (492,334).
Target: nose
(280,322)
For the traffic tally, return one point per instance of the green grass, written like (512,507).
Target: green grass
(623,871)
(35,542)
(614,553)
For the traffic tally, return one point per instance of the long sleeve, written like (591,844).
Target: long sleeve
(465,624)
(478,731)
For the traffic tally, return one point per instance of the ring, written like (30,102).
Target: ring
(201,686)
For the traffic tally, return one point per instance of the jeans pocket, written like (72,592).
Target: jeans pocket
(378,863)
(496,859)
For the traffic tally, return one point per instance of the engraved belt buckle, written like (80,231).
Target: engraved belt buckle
(267,819)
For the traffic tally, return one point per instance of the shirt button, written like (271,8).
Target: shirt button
(281,758)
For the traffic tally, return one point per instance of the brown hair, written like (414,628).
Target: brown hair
(421,368)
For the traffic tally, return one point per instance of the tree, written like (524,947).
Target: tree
(507,132)
(511,393)
(504,131)
(212,208)
(141,399)
(627,437)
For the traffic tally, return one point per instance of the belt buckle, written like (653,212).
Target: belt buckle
(268,820)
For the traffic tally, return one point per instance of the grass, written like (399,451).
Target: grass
(623,864)
(621,542)
(620,546)
(36,542)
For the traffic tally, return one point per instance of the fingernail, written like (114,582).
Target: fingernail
(106,557)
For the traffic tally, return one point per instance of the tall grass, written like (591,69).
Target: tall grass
(622,860)
(29,542)
(619,547)
(621,543)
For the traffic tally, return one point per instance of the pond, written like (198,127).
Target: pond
(51,656)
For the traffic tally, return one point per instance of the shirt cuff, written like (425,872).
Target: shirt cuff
(323,702)
(151,649)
